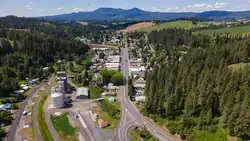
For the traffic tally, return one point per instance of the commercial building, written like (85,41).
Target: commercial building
(82,93)
(113,66)
(114,59)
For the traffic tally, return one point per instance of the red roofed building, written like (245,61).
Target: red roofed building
(103,123)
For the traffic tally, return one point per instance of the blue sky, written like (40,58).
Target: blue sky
(52,7)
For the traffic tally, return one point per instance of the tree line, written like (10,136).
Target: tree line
(197,93)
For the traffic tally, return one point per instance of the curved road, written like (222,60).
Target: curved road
(15,123)
(130,114)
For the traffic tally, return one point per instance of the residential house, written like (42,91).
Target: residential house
(103,123)
(112,93)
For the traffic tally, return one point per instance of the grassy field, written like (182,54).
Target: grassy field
(175,24)
(64,128)
(43,128)
(230,30)
(104,111)
(95,92)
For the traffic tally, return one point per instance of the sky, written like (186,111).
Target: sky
(33,8)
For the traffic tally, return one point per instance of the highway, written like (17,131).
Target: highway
(130,114)
(15,123)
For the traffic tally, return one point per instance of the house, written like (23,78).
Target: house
(103,123)
(139,81)
(19,92)
(114,59)
(140,99)
(111,99)
(110,87)
(137,70)
(112,93)
(139,86)
(82,93)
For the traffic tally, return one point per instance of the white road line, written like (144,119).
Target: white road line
(86,127)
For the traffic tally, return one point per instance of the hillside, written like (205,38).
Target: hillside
(137,14)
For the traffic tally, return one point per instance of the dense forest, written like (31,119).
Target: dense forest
(196,94)
(24,54)
(67,29)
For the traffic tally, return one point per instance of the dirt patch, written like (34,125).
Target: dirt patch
(83,23)
(27,133)
(138,26)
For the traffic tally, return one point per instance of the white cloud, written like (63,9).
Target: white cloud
(59,8)
(249,1)
(220,4)
(77,9)
(29,5)
(199,5)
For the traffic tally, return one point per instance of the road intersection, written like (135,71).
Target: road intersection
(130,114)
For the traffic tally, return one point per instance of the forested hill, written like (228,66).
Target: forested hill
(24,54)
(69,29)
(192,89)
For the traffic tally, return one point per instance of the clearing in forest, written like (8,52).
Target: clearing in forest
(138,27)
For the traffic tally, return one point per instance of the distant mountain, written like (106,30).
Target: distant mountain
(138,14)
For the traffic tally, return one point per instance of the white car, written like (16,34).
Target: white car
(25,113)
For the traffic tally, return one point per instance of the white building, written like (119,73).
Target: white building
(113,66)
(140,98)
(114,59)
(82,93)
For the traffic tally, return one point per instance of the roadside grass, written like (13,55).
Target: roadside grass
(28,92)
(64,128)
(140,135)
(95,92)
(110,112)
(43,128)
(229,30)
(175,24)
(21,82)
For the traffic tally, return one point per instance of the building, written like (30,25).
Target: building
(110,87)
(112,93)
(19,92)
(139,86)
(103,123)
(82,93)
(137,70)
(57,100)
(114,58)
(113,66)
(111,99)
(139,81)
(61,75)
(140,99)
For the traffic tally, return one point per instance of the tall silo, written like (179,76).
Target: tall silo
(57,100)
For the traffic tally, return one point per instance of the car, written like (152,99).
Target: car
(76,115)
(25,113)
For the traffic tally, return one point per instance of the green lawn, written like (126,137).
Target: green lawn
(95,92)
(64,128)
(230,30)
(175,24)
(43,128)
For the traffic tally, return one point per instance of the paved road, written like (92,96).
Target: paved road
(130,114)
(15,123)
